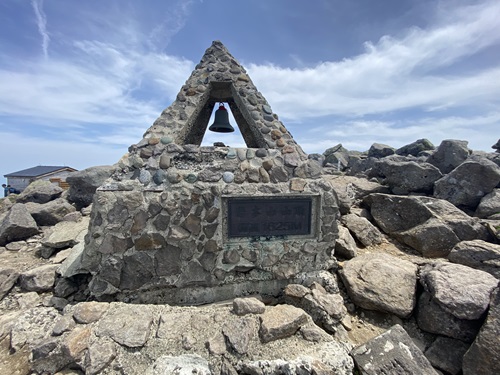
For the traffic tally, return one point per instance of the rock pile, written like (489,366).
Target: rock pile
(417,281)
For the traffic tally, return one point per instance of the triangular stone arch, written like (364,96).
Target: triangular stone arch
(220,78)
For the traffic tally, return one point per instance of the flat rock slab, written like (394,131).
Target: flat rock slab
(65,233)
(187,364)
(127,325)
(281,321)
(40,279)
(460,290)
(482,255)
(370,280)
(392,352)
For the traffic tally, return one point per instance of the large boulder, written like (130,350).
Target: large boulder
(392,352)
(50,213)
(489,205)
(446,354)
(483,357)
(468,183)
(478,254)
(379,150)
(460,290)
(84,183)
(364,231)
(337,156)
(415,148)
(17,225)
(404,177)
(40,191)
(449,155)
(430,226)
(381,282)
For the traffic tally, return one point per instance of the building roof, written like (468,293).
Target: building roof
(38,171)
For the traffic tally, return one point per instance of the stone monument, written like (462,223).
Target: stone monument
(184,224)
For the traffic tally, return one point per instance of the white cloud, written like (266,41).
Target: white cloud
(41,21)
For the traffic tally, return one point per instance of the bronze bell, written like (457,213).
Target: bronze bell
(221,123)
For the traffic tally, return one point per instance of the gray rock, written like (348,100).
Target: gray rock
(40,279)
(459,290)
(309,169)
(66,234)
(33,327)
(128,325)
(337,155)
(449,155)
(370,281)
(99,356)
(489,205)
(40,191)
(17,225)
(478,254)
(186,364)
(8,278)
(431,317)
(431,226)
(483,357)
(84,183)
(446,354)
(50,213)
(379,150)
(364,231)
(240,333)
(89,312)
(408,176)
(281,321)
(392,352)
(250,305)
(468,183)
(345,245)
(415,148)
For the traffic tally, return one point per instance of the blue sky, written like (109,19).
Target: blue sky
(80,81)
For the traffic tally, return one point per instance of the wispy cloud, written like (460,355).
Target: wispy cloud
(41,21)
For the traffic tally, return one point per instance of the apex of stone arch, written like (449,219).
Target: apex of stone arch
(219,77)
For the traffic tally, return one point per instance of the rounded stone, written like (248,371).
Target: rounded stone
(173,177)
(250,154)
(265,130)
(256,115)
(268,118)
(261,153)
(166,140)
(231,153)
(159,177)
(267,109)
(191,178)
(144,177)
(228,177)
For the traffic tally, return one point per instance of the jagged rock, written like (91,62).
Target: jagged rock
(483,357)
(89,312)
(40,279)
(337,155)
(345,245)
(50,213)
(350,189)
(446,354)
(496,146)
(40,191)
(392,352)
(364,231)
(326,309)
(449,155)
(17,225)
(65,234)
(430,226)
(478,254)
(99,356)
(250,305)
(379,150)
(32,327)
(468,183)
(405,177)
(84,183)
(370,279)
(72,265)
(431,317)
(127,325)
(186,364)
(415,148)
(8,278)
(459,290)
(240,333)
(489,205)
(281,321)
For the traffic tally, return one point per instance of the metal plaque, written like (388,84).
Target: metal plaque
(251,217)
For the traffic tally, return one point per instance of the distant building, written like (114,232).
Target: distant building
(55,174)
